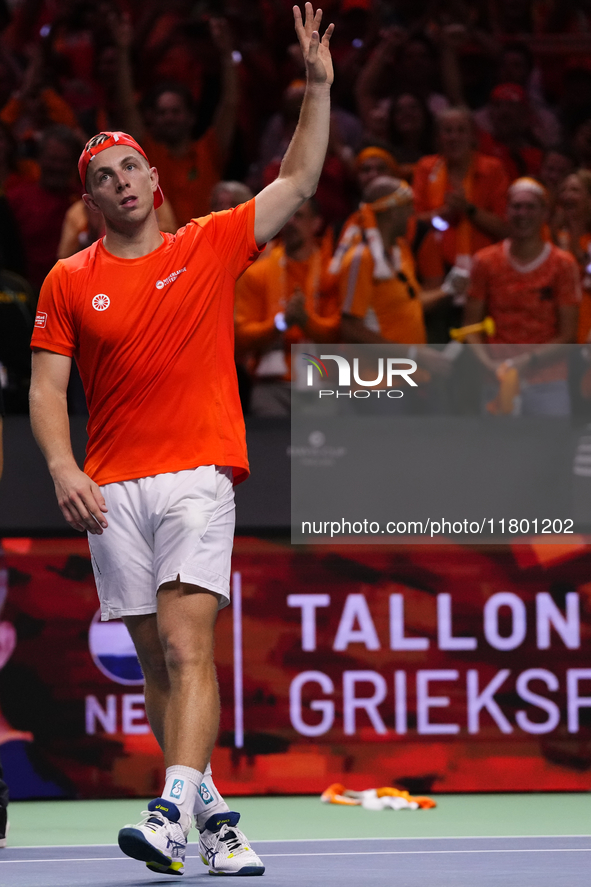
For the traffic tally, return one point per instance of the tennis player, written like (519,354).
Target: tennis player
(149,319)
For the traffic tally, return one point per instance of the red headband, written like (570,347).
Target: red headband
(113,139)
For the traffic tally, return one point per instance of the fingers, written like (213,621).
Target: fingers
(311,23)
(327,35)
(85,512)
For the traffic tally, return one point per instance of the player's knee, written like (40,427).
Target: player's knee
(187,657)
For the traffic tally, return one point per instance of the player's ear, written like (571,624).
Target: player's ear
(90,203)
(154,178)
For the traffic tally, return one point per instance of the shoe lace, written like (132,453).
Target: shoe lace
(154,817)
(232,837)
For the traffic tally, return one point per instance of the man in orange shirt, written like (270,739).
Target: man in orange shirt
(461,192)
(149,319)
(532,290)
(283,299)
(188,168)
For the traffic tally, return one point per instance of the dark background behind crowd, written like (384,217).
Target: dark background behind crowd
(457,98)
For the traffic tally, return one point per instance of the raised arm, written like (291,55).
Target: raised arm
(302,164)
(79,498)
(224,121)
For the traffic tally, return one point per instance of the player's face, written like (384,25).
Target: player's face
(121,185)
(526,213)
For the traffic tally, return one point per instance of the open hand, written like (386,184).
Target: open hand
(316,52)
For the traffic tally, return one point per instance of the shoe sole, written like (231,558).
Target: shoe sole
(245,871)
(175,868)
(133,843)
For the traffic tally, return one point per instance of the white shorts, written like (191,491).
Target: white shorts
(161,527)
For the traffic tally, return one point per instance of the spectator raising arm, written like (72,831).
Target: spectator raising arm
(302,164)
(225,115)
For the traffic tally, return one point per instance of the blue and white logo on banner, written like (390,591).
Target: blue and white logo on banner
(113,652)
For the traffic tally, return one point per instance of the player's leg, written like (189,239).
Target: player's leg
(193,550)
(146,640)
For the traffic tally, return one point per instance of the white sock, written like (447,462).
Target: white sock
(208,800)
(181,787)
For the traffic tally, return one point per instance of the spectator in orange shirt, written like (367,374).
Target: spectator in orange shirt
(462,191)
(380,297)
(283,299)
(188,168)
(532,291)
(35,107)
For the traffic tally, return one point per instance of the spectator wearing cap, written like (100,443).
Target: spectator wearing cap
(462,192)
(510,138)
(516,66)
(531,289)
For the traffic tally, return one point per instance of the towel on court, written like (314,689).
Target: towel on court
(386,798)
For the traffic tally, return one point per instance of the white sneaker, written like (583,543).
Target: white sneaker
(225,849)
(160,839)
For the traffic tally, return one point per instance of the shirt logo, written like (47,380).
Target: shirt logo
(41,319)
(160,284)
(101,302)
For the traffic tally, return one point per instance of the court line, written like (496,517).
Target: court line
(329,853)
(317,840)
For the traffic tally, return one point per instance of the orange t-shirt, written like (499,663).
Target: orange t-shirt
(154,341)
(187,181)
(389,307)
(524,300)
(488,187)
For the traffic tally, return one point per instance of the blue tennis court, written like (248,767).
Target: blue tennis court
(440,862)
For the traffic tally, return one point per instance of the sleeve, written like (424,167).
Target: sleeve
(231,235)
(478,289)
(568,285)
(356,282)
(54,324)
(251,315)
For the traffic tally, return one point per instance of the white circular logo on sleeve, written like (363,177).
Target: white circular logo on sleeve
(101,302)
(159,284)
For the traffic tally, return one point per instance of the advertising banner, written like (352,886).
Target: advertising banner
(432,668)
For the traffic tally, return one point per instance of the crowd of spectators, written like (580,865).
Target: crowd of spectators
(437,108)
